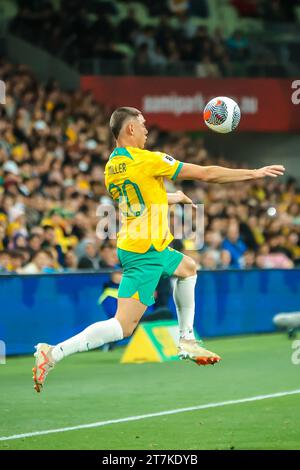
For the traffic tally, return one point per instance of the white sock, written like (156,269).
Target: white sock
(92,337)
(184,298)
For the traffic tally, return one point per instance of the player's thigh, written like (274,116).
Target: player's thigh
(141,274)
(187,267)
(129,312)
(171,260)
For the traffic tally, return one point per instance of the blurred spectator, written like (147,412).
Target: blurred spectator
(108,298)
(145,36)
(91,259)
(164,32)
(178,6)
(26,254)
(141,63)
(207,69)
(249,260)
(4,262)
(34,243)
(16,261)
(238,46)
(277,245)
(251,233)
(49,241)
(3,237)
(108,255)
(273,260)
(225,260)
(210,259)
(235,245)
(71,261)
(293,246)
(42,262)
(19,241)
(212,240)
(267,260)
(128,26)
(202,43)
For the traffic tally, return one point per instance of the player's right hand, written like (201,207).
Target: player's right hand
(271,170)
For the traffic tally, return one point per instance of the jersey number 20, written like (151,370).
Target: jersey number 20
(132,201)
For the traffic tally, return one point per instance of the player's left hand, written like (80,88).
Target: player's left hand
(182,198)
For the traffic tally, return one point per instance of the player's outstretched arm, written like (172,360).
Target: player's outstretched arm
(219,174)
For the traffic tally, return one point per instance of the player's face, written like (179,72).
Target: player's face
(140,131)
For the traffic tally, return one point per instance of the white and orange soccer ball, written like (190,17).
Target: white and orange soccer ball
(222,114)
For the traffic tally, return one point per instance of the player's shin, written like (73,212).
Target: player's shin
(184,298)
(92,337)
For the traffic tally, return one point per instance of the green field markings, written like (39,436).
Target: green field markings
(151,415)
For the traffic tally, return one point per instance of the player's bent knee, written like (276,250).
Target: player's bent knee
(128,330)
(128,327)
(191,267)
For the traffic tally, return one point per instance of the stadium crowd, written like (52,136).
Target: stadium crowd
(53,148)
(165,39)
(160,38)
(146,48)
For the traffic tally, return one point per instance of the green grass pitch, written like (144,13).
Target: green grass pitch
(92,387)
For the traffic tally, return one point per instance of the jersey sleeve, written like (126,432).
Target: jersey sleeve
(162,164)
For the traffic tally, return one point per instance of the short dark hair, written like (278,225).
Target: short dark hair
(119,116)
(48,227)
(15,254)
(45,251)
(107,244)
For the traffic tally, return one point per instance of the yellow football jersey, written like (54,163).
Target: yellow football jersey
(134,177)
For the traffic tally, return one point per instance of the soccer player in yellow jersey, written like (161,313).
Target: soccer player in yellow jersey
(134,177)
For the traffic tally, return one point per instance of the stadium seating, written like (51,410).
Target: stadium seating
(82,41)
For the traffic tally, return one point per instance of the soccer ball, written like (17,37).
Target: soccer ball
(222,114)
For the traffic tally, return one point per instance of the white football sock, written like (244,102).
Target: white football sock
(92,337)
(184,298)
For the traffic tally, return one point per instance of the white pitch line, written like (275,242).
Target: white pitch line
(150,415)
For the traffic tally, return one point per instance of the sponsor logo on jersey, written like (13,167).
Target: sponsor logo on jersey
(169,159)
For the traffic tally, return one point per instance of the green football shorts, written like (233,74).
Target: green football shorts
(142,272)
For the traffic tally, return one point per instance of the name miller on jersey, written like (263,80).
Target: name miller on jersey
(115,169)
